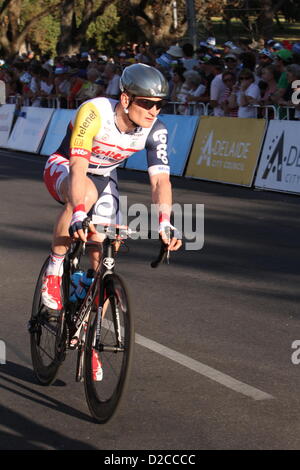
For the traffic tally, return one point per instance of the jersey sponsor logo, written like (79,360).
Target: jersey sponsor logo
(86,123)
(107,158)
(160,137)
(157,169)
(101,153)
(79,152)
(78,142)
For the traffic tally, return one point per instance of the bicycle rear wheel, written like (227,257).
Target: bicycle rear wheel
(47,339)
(115,352)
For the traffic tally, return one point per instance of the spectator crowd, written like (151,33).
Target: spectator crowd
(235,80)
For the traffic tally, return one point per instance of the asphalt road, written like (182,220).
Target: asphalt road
(213,361)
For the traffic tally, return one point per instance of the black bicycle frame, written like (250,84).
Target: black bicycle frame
(107,270)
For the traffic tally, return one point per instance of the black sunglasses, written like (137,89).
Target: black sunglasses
(148,104)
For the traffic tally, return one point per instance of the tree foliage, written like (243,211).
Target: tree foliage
(18,18)
(69,26)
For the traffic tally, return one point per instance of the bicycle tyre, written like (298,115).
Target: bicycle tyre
(104,397)
(47,344)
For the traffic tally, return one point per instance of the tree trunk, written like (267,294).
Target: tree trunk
(265,20)
(66,27)
(72,35)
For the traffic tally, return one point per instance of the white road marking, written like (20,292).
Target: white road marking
(203,369)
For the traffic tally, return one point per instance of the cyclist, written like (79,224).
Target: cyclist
(81,174)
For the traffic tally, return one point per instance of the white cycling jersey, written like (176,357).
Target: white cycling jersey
(93,134)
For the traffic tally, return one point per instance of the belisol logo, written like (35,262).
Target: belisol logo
(283,160)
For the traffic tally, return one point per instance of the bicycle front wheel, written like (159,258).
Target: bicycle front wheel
(47,340)
(105,386)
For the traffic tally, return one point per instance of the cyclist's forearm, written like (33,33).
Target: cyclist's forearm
(77,187)
(162,197)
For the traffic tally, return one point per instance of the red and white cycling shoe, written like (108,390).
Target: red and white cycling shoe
(51,292)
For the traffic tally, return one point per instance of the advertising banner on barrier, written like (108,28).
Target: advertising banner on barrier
(279,166)
(226,150)
(7,112)
(29,129)
(181,131)
(56,130)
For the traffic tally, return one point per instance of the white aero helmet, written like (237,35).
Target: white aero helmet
(144,80)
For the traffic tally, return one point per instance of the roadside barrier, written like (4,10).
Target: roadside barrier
(263,153)
(226,150)
(279,166)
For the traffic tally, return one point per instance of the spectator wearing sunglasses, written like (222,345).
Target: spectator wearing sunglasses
(229,79)
(244,94)
(231,63)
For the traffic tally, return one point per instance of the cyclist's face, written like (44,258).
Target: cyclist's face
(143,110)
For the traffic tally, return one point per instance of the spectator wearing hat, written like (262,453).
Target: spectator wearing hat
(122,59)
(175,52)
(211,45)
(169,59)
(227,46)
(283,58)
(202,51)
(62,84)
(231,63)
(277,46)
(265,57)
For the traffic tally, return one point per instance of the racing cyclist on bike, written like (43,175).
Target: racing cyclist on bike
(81,174)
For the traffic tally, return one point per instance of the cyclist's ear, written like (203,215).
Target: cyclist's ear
(125,100)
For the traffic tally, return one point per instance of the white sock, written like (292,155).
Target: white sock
(56,265)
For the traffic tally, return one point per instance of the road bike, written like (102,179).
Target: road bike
(100,327)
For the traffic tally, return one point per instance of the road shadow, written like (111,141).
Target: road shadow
(24,433)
